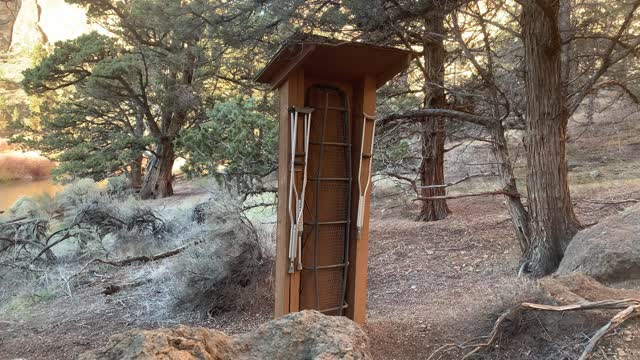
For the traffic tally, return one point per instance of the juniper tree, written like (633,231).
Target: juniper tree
(165,61)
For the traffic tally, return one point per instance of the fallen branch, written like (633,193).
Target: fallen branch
(631,309)
(114,288)
(47,248)
(67,235)
(142,259)
(621,317)
(488,193)
(13,221)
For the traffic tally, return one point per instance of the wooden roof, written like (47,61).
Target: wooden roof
(332,59)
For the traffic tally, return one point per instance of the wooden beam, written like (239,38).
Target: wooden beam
(364,102)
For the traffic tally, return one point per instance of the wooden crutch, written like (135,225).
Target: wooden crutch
(368,132)
(297,197)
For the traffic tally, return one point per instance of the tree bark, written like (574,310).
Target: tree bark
(136,165)
(136,173)
(552,220)
(517,211)
(564,25)
(157,181)
(434,128)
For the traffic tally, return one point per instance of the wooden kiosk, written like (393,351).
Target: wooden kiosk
(327,125)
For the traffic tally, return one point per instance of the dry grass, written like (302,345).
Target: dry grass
(5,146)
(17,166)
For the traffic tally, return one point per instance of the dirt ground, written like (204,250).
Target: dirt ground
(430,284)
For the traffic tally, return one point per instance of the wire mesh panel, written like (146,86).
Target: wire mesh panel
(325,249)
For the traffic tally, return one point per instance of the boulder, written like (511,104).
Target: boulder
(304,335)
(26,28)
(608,251)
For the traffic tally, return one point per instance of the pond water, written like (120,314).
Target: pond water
(12,190)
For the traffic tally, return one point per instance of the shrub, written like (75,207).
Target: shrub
(220,277)
(23,289)
(119,186)
(103,220)
(80,193)
(228,269)
(17,166)
(38,206)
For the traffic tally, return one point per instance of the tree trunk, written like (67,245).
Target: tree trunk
(157,181)
(433,129)
(136,173)
(552,220)
(432,170)
(136,165)
(517,211)
(564,25)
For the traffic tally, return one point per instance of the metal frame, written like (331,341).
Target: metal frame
(318,179)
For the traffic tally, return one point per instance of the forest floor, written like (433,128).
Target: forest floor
(429,283)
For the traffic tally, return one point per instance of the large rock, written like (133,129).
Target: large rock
(26,29)
(608,251)
(25,23)
(8,12)
(304,335)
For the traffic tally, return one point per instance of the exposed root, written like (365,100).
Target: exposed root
(631,309)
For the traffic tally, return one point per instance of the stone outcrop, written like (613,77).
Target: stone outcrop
(24,23)
(26,29)
(8,13)
(608,251)
(304,335)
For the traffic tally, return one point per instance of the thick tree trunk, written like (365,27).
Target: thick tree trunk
(158,180)
(432,170)
(433,129)
(552,220)
(564,25)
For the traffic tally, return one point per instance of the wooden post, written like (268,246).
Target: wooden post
(364,102)
(287,286)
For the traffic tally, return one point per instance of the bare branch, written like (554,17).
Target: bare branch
(488,193)
(421,114)
(458,181)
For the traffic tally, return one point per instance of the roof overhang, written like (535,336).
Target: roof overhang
(335,60)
